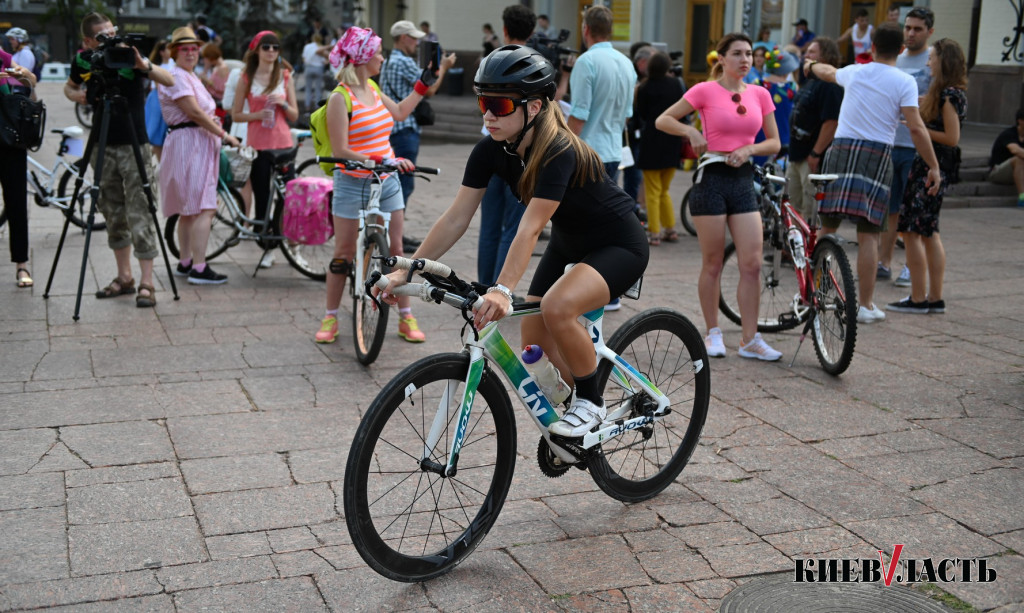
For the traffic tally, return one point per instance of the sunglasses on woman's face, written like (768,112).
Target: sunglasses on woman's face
(742,110)
(499,107)
(270,47)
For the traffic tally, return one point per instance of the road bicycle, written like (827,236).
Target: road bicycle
(231,224)
(805,278)
(42,180)
(369,319)
(432,459)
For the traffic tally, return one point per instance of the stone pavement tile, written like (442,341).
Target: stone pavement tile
(591,503)
(81,406)
(570,567)
(235,472)
(61,344)
(34,546)
(204,336)
(132,501)
(105,548)
(364,590)
(915,469)
(291,539)
(236,434)
(216,573)
(78,590)
(1013,540)
(59,459)
(698,472)
(855,500)
(202,398)
(988,503)
(130,442)
(242,545)
(997,437)
(154,360)
(690,513)
(31,491)
(829,416)
(682,564)
(88,382)
(296,594)
(280,393)
(775,515)
(916,438)
(597,602)
(333,532)
(743,491)
(755,433)
(345,557)
(712,591)
(945,358)
(263,354)
(818,542)
(318,465)
(714,535)
(1007,589)
(757,458)
(586,523)
(300,563)
(912,395)
(63,365)
(18,365)
(121,474)
(932,535)
(265,509)
(488,581)
(743,560)
(724,419)
(157,603)
(660,598)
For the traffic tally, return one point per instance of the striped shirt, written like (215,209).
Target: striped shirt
(369,130)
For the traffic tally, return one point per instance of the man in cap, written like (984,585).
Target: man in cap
(803,36)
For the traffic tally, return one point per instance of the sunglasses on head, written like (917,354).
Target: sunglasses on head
(499,107)
(270,47)
(742,110)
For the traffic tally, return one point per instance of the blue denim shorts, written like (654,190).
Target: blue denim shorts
(351,194)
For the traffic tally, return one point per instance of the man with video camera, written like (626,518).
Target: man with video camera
(109,68)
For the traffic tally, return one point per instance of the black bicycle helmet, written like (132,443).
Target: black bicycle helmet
(514,69)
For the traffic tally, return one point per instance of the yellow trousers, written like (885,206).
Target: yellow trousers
(660,212)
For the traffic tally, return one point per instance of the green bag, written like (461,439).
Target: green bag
(318,127)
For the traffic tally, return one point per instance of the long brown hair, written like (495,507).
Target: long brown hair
(952,73)
(722,48)
(252,62)
(552,136)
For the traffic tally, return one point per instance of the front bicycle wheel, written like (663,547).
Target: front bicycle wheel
(223,232)
(663,346)
(407,521)
(369,324)
(835,322)
(78,211)
(780,307)
(684,214)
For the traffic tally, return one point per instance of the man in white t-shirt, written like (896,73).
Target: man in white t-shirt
(314,60)
(917,28)
(21,52)
(874,96)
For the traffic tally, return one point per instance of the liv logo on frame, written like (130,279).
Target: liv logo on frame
(900,569)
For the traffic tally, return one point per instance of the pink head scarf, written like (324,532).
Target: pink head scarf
(356,47)
(256,39)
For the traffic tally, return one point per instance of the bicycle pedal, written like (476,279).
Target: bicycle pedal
(789,319)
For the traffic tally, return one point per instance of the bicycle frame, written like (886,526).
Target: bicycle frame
(371,220)
(45,191)
(491,345)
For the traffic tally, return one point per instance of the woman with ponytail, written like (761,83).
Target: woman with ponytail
(731,112)
(562,180)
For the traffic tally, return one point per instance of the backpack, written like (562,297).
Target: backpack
(40,56)
(307,210)
(318,126)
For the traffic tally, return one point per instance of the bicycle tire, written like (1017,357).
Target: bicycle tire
(779,286)
(665,347)
(310,168)
(78,212)
(310,260)
(223,233)
(834,329)
(369,324)
(685,217)
(411,524)
(83,112)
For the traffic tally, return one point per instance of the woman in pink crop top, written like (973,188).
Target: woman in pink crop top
(723,195)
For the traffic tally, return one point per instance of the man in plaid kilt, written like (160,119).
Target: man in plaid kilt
(875,95)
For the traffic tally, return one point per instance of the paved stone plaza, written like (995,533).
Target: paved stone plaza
(190,457)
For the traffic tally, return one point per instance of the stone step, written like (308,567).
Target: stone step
(978,202)
(981,188)
(973,174)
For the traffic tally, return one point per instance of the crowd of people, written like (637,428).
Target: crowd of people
(887,123)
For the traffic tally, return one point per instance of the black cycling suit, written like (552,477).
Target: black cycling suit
(594,223)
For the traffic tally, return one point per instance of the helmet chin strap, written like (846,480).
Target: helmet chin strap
(513,148)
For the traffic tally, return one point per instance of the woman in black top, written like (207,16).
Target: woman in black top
(659,151)
(560,179)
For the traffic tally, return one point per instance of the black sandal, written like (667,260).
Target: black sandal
(25,281)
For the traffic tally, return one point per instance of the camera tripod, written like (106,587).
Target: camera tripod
(99,138)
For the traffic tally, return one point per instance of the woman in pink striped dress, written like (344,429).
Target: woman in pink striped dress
(191,158)
(363,135)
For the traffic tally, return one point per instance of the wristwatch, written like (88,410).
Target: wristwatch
(814,154)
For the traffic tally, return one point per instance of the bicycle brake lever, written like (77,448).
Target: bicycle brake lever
(368,286)
(416,265)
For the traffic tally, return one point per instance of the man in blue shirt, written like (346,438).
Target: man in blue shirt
(803,36)
(601,83)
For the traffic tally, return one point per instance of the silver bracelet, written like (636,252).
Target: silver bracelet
(498,288)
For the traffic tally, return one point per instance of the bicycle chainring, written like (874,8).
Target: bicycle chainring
(550,464)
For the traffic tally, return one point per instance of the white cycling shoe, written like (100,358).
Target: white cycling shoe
(581,418)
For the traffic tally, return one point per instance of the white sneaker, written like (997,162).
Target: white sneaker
(760,350)
(581,418)
(715,345)
(267,260)
(870,316)
(904,279)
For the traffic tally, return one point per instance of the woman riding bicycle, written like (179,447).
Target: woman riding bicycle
(560,179)
(723,194)
(363,134)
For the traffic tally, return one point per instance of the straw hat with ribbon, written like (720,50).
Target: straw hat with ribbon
(183,36)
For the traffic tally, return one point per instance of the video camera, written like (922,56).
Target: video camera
(677,65)
(114,52)
(551,48)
